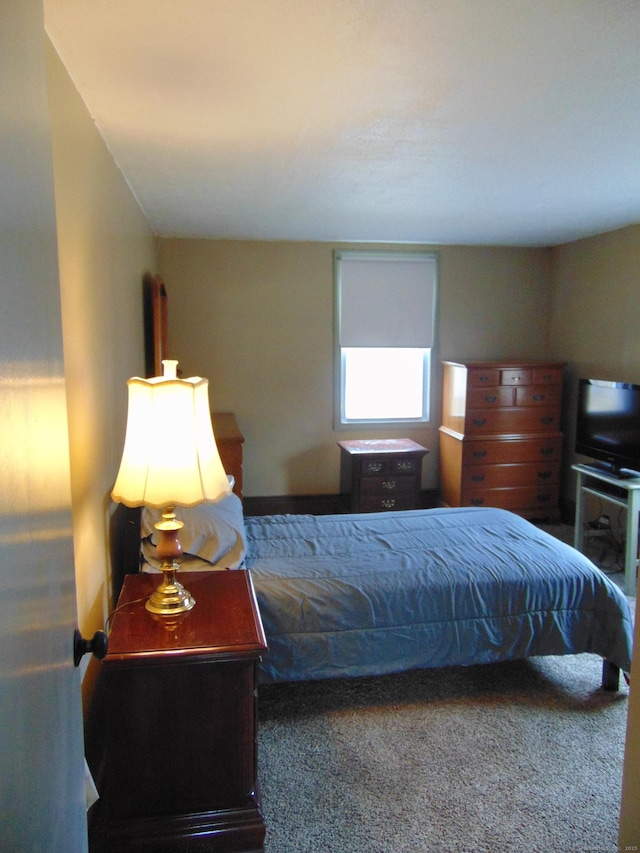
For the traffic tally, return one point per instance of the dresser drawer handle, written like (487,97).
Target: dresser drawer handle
(544,475)
(479,454)
(479,421)
(490,398)
(484,379)
(538,398)
(374,467)
(517,378)
(477,478)
(546,421)
(477,501)
(388,503)
(389,485)
(544,498)
(404,465)
(546,451)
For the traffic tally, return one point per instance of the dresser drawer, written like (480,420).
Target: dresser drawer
(546,375)
(514,450)
(529,499)
(491,398)
(516,475)
(516,420)
(481,378)
(518,376)
(538,395)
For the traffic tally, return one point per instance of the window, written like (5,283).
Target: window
(385,311)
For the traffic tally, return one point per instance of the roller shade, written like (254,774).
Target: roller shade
(386,300)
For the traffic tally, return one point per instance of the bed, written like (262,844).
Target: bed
(370,594)
(375,593)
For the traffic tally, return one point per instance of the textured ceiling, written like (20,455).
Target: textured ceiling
(513,122)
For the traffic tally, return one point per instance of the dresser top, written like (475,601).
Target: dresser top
(514,364)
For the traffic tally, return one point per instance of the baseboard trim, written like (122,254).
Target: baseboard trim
(312,504)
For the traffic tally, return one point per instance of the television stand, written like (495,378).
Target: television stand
(621,491)
(612,471)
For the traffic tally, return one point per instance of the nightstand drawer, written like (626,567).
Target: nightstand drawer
(385,503)
(387,485)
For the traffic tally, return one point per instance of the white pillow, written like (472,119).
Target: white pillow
(212,531)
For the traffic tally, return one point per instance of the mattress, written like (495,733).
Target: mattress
(368,594)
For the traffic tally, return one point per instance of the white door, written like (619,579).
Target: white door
(41,751)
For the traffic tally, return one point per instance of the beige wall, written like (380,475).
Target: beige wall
(256,318)
(105,245)
(595,324)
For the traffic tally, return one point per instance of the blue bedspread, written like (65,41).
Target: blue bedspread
(350,595)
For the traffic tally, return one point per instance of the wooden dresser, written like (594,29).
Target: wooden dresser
(500,439)
(229,440)
(381,475)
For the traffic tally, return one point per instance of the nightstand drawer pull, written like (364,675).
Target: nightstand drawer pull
(546,421)
(389,485)
(544,475)
(388,503)
(546,451)
(477,501)
(538,398)
(490,398)
(477,478)
(479,422)
(479,454)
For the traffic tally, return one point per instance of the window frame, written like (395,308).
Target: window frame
(425,420)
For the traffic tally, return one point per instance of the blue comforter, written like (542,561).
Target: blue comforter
(350,595)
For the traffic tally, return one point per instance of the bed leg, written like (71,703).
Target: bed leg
(610,675)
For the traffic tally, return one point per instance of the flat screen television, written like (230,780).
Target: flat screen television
(608,425)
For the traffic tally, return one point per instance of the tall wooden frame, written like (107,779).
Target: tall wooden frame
(155,312)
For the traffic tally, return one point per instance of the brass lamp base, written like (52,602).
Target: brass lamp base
(170,597)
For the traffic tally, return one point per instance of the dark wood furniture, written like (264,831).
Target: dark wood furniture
(229,440)
(180,768)
(156,347)
(381,475)
(500,439)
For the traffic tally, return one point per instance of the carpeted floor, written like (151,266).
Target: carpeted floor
(522,757)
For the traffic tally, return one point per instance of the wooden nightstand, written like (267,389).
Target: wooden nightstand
(180,768)
(381,475)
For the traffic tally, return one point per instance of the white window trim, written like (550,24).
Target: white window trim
(395,256)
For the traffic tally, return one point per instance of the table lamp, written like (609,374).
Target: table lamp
(170,459)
